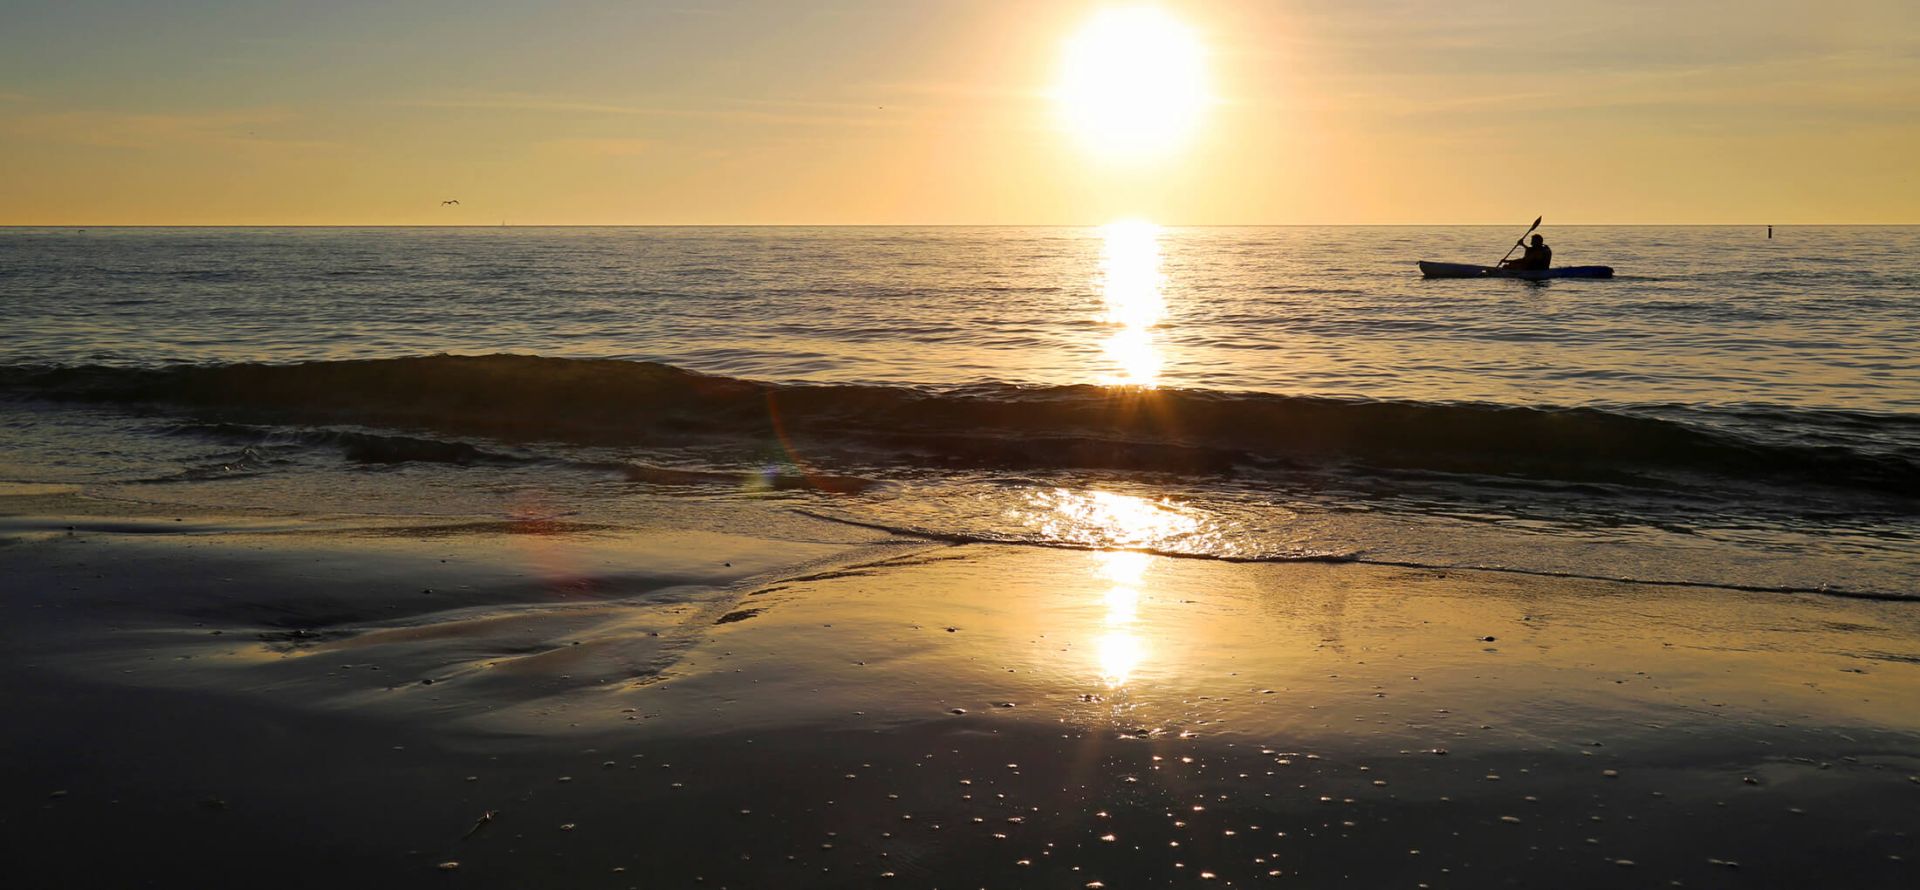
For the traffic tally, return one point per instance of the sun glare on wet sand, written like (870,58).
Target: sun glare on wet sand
(1119,649)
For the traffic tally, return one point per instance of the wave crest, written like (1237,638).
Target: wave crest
(605,401)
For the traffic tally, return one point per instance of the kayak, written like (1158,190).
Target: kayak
(1462,270)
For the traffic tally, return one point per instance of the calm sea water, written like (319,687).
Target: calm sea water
(1730,409)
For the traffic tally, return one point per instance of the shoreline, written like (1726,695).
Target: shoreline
(1359,559)
(777,706)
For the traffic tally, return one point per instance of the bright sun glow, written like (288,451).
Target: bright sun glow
(1133,83)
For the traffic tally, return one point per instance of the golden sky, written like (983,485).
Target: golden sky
(950,111)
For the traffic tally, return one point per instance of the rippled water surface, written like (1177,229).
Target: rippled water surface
(1729,409)
(1819,317)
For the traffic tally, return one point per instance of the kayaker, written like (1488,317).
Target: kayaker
(1538,256)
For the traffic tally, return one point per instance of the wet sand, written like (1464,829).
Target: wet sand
(325,701)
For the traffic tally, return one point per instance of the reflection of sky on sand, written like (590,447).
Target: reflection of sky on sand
(1131,287)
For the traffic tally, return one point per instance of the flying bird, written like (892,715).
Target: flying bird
(445,203)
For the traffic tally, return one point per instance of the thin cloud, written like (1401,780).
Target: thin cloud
(1839,83)
(598,148)
(110,129)
(984,92)
(770,111)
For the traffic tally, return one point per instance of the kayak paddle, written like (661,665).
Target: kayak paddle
(1522,240)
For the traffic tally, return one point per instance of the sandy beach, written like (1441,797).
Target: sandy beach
(225,700)
(959,445)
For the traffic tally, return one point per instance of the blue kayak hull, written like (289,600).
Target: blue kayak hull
(1462,270)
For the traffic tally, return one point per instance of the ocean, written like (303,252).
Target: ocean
(1730,410)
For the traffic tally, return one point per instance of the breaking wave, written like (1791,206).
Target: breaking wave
(521,398)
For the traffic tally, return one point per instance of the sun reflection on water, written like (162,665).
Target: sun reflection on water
(1123,605)
(1123,566)
(1121,526)
(1119,649)
(1131,287)
(1120,654)
(1110,519)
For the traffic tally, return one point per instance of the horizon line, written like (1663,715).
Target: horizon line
(921,225)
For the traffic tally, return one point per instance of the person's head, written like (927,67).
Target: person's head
(1538,241)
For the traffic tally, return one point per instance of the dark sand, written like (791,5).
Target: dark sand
(223,701)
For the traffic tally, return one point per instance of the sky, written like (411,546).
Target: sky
(592,112)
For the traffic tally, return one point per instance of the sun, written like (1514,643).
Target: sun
(1133,83)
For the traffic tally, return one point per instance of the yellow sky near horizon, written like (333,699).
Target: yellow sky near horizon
(942,112)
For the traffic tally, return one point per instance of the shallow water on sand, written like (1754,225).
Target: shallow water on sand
(546,702)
